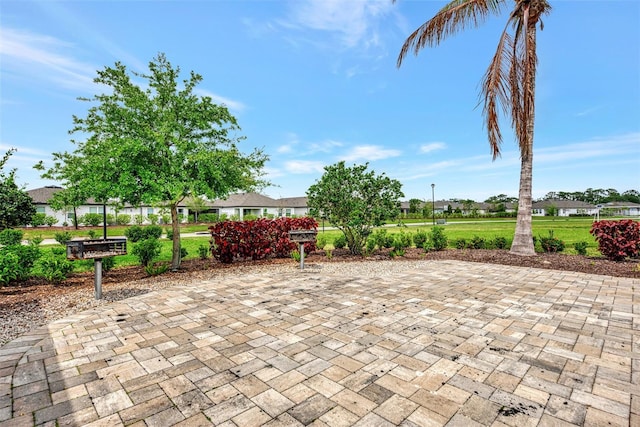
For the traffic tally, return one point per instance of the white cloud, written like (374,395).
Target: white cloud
(23,150)
(304,166)
(231,104)
(370,152)
(36,57)
(432,146)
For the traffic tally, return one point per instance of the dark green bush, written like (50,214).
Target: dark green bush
(183,252)
(153,219)
(108,263)
(63,237)
(551,244)
(91,219)
(500,242)
(38,219)
(16,262)
(50,220)
(477,242)
(203,251)
(152,232)
(93,234)
(438,239)
(401,241)
(156,269)
(321,241)
(146,250)
(382,239)
(460,243)
(133,233)
(420,238)
(340,242)
(11,236)
(581,248)
(58,251)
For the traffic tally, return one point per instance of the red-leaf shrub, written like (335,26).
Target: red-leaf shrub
(257,239)
(617,239)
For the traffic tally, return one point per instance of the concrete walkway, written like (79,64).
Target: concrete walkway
(449,343)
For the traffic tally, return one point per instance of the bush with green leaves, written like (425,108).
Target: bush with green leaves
(477,242)
(91,219)
(153,219)
(420,238)
(50,220)
(551,244)
(500,242)
(438,239)
(155,269)
(108,263)
(63,237)
(321,241)
(58,250)
(16,262)
(138,219)
(382,238)
(11,236)
(183,252)
(460,243)
(93,234)
(340,242)
(146,250)
(36,240)
(203,251)
(152,232)
(370,246)
(123,219)
(135,233)
(38,219)
(111,219)
(53,268)
(401,241)
(581,248)
(166,218)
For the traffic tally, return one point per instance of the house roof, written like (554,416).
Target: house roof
(293,202)
(562,204)
(245,200)
(42,195)
(622,205)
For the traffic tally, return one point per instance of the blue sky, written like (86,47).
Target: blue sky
(313,82)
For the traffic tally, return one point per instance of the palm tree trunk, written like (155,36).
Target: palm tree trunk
(523,237)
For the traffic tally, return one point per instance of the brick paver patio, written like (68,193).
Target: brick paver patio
(446,343)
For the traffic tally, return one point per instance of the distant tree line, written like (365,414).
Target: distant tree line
(595,196)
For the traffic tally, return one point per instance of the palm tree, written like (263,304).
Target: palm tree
(508,86)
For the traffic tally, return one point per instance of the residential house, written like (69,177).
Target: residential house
(254,204)
(563,207)
(622,208)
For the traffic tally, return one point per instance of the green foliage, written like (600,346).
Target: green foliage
(295,255)
(91,219)
(438,239)
(146,250)
(54,269)
(156,269)
(16,262)
(138,219)
(108,263)
(183,252)
(551,243)
(38,219)
(370,246)
(477,242)
(166,219)
(50,220)
(321,241)
(111,219)
(63,237)
(16,207)
(135,233)
(581,248)
(58,250)
(10,236)
(382,238)
(328,253)
(401,241)
(35,240)
(354,200)
(420,238)
(500,242)
(340,242)
(123,219)
(460,243)
(93,234)
(210,218)
(203,251)
(177,143)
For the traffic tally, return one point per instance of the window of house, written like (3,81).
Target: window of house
(40,209)
(287,212)
(95,209)
(265,212)
(149,211)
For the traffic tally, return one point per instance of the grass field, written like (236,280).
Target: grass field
(570,230)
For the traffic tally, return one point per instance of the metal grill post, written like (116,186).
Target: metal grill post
(98,278)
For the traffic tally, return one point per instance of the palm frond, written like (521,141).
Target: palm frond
(454,17)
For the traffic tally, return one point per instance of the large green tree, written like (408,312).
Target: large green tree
(508,86)
(150,139)
(16,207)
(355,200)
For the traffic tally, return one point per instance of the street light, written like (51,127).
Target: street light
(433,203)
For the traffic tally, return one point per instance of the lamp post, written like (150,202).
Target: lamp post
(433,203)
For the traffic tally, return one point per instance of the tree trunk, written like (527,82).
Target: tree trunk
(175,226)
(523,238)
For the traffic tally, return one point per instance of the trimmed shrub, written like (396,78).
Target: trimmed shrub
(551,244)
(460,243)
(382,239)
(617,240)
(108,263)
(500,242)
(123,219)
(11,236)
(321,241)
(146,250)
(340,242)
(63,237)
(38,219)
(111,219)
(401,241)
(581,248)
(135,233)
(438,239)
(156,269)
(50,220)
(153,219)
(420,238)
(91,219)
(203,251)
(477,242)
